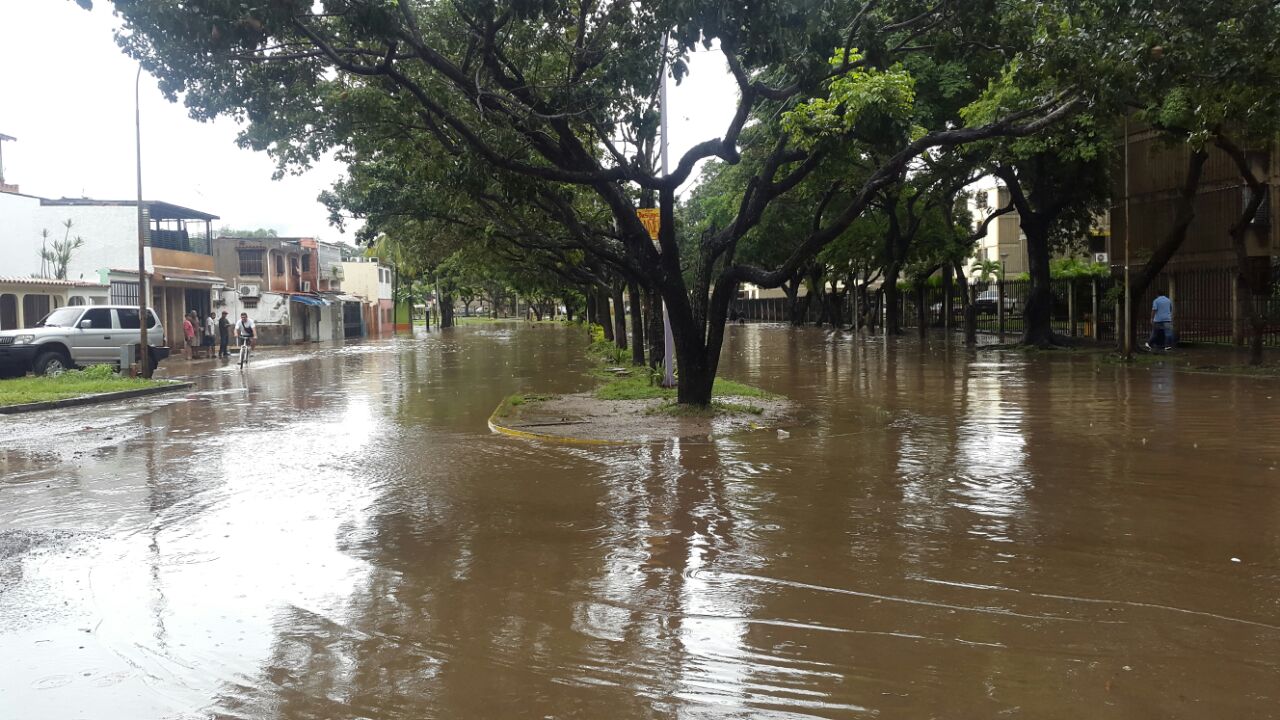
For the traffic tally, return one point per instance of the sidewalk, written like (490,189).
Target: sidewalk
(177,366)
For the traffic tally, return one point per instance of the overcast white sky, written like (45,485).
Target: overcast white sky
(66,94)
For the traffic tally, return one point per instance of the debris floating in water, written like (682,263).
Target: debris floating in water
(1235,559)
(783,434)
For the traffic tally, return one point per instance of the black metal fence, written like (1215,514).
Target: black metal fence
(1205,308)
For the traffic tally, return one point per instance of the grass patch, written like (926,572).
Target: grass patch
(93,380)
(1189,362)
(717,407)
(511,402)
(641,387)
(480,320)
(643,384)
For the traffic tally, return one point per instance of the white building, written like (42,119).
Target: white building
(177,258)
(374,283)
(1003,241)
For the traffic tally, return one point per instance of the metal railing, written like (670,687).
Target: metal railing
(1204,300)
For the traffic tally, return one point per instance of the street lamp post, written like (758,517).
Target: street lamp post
(668,342)
(144,354)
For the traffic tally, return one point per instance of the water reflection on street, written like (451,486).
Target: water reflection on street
(336,534)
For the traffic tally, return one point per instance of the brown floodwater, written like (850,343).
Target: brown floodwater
(336,534)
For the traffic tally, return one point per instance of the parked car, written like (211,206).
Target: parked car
(75,336)
(987,302)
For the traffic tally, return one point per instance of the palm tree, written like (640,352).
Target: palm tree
(986,270)
(58,257)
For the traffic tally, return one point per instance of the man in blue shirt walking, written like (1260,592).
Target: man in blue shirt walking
(1161,323)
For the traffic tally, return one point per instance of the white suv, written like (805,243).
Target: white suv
(75,336)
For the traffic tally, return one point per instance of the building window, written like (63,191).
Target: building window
(251,262)
(306,262)
(981,200)
(124,293)
(279,265)
(249,303)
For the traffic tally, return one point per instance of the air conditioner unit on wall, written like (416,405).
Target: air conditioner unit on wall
(248,291)
(1100,257)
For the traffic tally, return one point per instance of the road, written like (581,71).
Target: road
(335,534)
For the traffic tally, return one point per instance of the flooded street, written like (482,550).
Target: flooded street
(944,534)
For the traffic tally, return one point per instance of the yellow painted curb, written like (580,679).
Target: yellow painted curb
(559,439)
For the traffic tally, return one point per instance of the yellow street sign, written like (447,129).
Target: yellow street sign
(652,220)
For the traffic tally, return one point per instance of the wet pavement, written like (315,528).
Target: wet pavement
(336,534)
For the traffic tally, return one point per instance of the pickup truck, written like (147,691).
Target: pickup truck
(75,336)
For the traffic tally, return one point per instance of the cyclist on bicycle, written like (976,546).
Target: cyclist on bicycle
(245,331)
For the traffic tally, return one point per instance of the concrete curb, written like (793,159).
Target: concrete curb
(543,437)
(94,399)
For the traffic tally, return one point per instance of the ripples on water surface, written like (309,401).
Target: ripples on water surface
(945,535)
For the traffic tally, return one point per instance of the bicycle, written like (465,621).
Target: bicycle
(245,345)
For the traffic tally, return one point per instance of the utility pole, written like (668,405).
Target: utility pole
(144,350)
(668,343)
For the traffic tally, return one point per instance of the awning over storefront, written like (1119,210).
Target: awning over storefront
(177,278)
(308,300)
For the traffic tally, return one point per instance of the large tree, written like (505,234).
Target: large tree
(562,93)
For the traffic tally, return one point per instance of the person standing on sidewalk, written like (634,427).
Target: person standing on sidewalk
(189,333)
(224,335)
(210,332)
(1161,323)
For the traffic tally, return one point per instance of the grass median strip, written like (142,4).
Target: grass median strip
(639,387)
(75,383)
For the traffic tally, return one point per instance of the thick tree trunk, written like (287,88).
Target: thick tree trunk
(1037,316)
(792,290)
(656,333)
(592,318)
(695,381)
(603,314)
(1248,302)
(836,312)
(619,318)
(637,324)
(892,301)
(446,310)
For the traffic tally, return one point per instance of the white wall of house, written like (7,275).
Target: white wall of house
(330,266)
(19,235)
(326,329)
(370,280)
(110,236)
